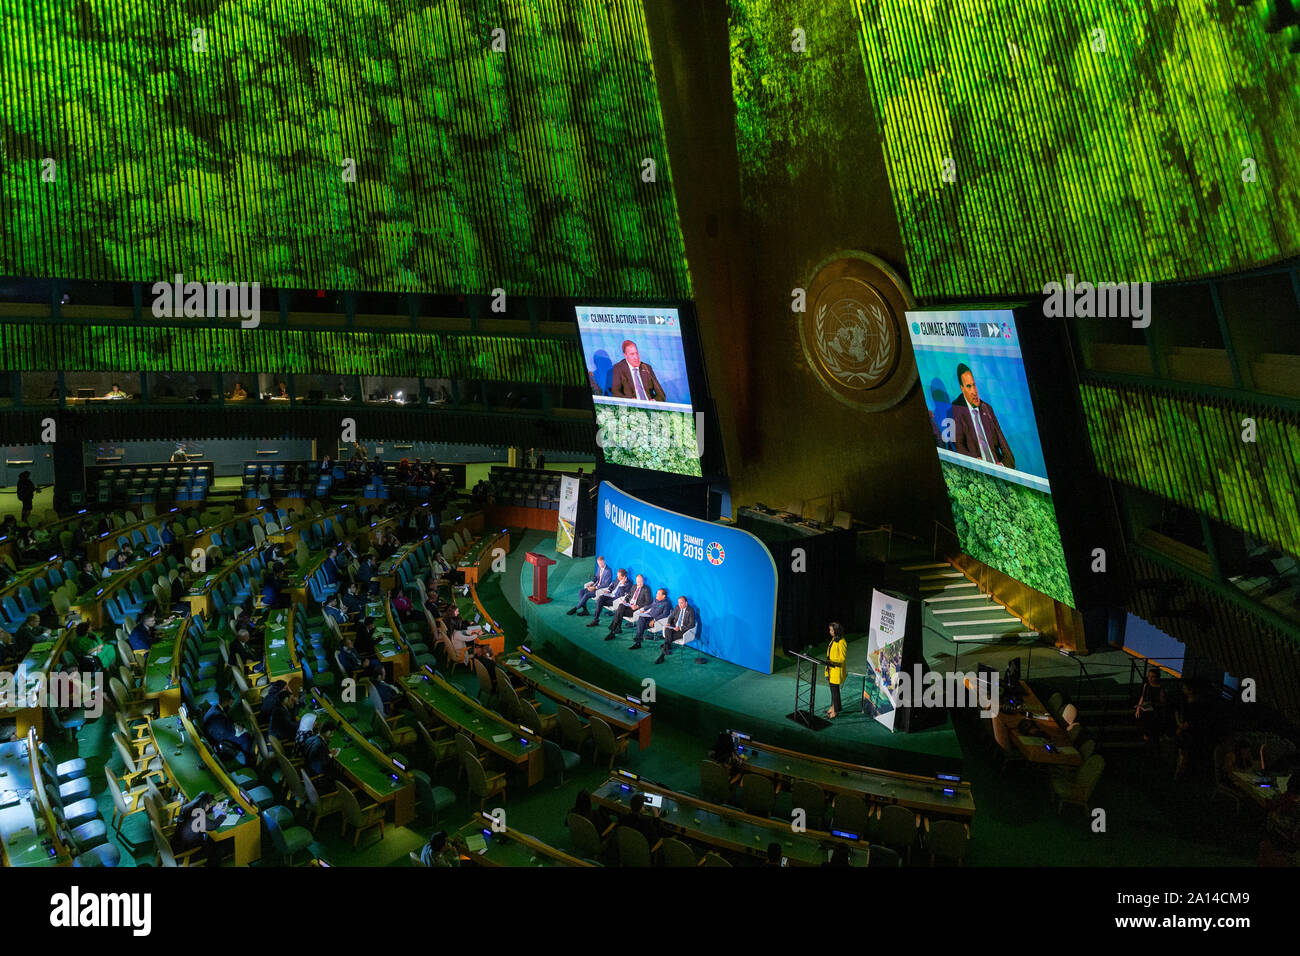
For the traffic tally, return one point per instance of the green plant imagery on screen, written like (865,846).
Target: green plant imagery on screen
(1010,527)
(657,440)
(387,145)
(1117,140)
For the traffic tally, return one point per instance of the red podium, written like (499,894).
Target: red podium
(540,563)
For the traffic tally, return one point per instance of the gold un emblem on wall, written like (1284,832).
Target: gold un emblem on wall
(853,334)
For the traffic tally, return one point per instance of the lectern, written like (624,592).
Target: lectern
(540,563)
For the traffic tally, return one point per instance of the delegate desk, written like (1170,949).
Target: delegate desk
(1262,788)
(38,667)
(91,605)
(579,695)
(725,828)
(1034,745)
(200,593)
(192,769)
(496,638)
(281,655)
(389,569)
(475,563)
(162,668)
(383,779)
(507,847)
(28,833)
(509,741)
(391,645)
(923,794)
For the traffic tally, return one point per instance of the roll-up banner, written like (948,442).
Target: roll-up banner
(885,654)
(568,515)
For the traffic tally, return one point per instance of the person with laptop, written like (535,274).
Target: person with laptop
(440,851)
(195,821)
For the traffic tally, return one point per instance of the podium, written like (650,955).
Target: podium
(805,692)
(540,563)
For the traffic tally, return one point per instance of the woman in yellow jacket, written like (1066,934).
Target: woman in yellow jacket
(836,653)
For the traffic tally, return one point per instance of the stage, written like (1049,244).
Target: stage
(715,695)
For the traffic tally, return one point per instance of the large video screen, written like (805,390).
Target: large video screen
(636,369)
(982,423)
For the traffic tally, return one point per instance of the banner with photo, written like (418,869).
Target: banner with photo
(727,575)
(568,516)
(885,654)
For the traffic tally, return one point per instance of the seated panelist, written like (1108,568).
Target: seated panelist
(619,592)
(636,599)
(600,581)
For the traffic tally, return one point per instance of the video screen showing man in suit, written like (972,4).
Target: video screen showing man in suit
(636,370)
(977,433)
(633,378)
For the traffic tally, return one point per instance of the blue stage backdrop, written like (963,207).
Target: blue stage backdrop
(727,575)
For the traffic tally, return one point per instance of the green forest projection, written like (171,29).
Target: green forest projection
(1191,451)
(140,138)
(1137,140)
(1009,527)
(130,347)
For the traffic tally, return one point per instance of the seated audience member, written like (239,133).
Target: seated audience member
(351,660)
(333,611)
(87,578)
(483,654)
(583,807)
(724,752)
(657,610)
(681,620)
(273,595)
(116,563)
(363,638)
(330,565)
(143,634)
(284,716)
(314,746)
(773,854)
(366,575)
(390,694)
(87,647)
(440,851)
(243,654)
(643,820)
(637,599)
(602,579)
(195,821)
(353,601)
(221,728)
(619,592)
(839,856)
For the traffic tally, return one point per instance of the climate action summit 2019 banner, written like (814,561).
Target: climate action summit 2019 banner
(727,575)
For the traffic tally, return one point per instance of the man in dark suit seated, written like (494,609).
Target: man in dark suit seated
(142,635)
(679,622)
(220,729)
(637,599)
(194,824)
(976,432)
(87,579)
(644,820)
(622,587)
(603,578)
(632,378)
(659,609)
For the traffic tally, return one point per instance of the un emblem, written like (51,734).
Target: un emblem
(852,332)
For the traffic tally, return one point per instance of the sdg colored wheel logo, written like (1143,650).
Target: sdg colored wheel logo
(716,554)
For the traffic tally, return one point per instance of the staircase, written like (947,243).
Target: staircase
(954,606)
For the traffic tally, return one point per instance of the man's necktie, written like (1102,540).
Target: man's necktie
(636,381)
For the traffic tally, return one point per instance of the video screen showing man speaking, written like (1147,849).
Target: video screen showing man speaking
(636,368)
(985,434)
